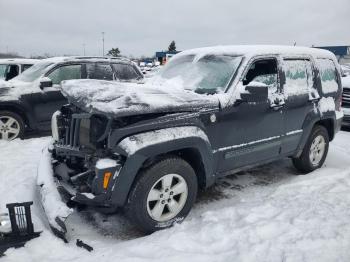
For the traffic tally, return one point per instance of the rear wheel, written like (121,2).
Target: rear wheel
(11,125)
(314,152)
(163,195)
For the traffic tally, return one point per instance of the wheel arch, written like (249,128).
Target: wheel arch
(18,110)
(195,150)
(327,121)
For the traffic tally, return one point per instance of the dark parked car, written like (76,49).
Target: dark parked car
(10,68)
(28,101)
(208,113)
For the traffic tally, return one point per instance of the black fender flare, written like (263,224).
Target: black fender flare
(311,119)
(141,147)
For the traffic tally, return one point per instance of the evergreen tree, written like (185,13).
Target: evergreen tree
(172,46)
(114,52)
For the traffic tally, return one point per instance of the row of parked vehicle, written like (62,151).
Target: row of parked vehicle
(28,101)
(146,148)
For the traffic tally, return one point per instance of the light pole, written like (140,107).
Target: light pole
(84,49)
(103,44)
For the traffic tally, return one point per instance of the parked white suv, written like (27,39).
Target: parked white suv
(9,68)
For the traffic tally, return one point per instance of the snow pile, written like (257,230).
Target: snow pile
(326,104)
(266,214)
(128,98)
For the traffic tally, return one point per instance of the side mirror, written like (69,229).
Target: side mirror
(255,92)
(45,82)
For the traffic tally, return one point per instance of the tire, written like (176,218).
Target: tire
(141,209)
(11,125)
(305,163)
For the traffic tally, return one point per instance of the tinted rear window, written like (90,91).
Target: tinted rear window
(125,72)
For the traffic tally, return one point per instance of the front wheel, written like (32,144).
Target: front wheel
(314,152)
(163,195)
(11,125)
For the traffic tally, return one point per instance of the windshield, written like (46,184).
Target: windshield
(34,72)
(3,70)
(209,74)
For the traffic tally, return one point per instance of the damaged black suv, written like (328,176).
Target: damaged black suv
(146,149)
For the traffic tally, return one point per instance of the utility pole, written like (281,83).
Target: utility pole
(103,44)
(84,49)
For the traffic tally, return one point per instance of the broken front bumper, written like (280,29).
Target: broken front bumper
(55,209)
(56,193)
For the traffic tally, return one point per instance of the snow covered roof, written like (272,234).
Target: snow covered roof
(253,50)
(18,61)
(61,59)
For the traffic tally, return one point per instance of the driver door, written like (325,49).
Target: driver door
(250,133)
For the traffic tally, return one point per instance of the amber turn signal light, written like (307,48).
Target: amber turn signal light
(106,179)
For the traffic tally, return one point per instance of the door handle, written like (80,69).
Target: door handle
(277,107)
(314,100)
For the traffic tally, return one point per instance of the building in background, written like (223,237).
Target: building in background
(341,52)
(163,56)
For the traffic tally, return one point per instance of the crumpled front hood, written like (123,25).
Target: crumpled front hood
(123,99)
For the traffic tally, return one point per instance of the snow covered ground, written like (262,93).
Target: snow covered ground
(265,214)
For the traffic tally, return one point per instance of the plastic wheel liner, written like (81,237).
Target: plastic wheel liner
(55,209)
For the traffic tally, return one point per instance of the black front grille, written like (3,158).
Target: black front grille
(71,137)
(346,97)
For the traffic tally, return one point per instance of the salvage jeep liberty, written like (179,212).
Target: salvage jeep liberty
(146,149)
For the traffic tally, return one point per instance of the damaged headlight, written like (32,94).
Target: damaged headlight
(91,129)
(54,125)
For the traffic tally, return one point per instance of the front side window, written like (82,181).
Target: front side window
(34,72)
(125,72)
(204,74)
(263,71)
(66,72)
(328,75)
(99,71)
(12,71)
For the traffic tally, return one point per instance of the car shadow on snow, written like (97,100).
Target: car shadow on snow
(117,227)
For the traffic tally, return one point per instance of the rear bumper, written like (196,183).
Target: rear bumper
(56,192)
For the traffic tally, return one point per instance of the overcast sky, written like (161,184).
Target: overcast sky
(141,27)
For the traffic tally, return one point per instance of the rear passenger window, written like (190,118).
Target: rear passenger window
(299,79)
(125,72)
(99,71)
(65,72)
(328,75)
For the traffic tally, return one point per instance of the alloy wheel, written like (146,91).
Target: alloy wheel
(317,150)
(167,197)
(9,128)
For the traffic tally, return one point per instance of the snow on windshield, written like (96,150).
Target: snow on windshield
(204,74)
(34,72)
